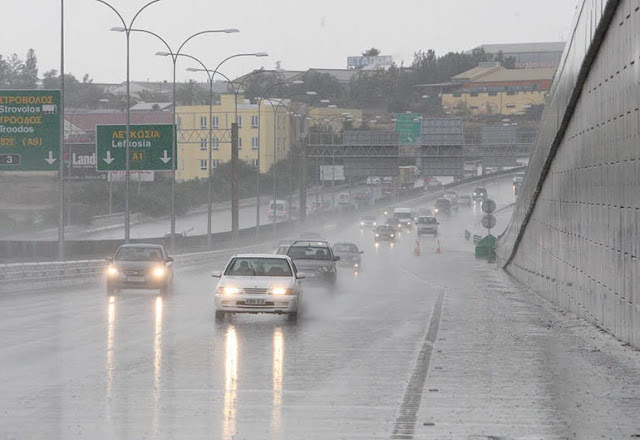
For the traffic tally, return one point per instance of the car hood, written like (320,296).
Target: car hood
(137,265)
(256,282)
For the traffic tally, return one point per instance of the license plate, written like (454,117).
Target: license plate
(254,302)
(135,279)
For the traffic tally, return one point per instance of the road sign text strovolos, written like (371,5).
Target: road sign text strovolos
(29,130)
(150,147)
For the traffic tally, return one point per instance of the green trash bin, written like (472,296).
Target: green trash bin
(485,246)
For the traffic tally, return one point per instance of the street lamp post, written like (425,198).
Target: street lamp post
(260,100)
(211,75)
(174,59)
(127,30)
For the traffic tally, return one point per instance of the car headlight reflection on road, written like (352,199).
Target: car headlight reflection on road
(230,290)
(159,272)
(112,271)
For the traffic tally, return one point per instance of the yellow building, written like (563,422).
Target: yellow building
(255,134)
(490,89)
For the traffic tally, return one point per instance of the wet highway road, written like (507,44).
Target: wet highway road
(78,364)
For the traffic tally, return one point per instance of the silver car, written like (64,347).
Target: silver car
(258,283)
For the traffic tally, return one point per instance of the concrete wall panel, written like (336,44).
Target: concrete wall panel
(574,235)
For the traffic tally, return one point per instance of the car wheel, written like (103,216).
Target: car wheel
(220,316)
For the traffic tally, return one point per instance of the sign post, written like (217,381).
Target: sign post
(30,134)
(150,147)
(489,222)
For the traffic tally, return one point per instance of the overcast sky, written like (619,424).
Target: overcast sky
(298,33)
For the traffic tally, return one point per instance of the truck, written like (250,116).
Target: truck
(408,176)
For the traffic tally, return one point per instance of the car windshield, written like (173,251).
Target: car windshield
(402,215)
(258,267)
(279,206)
(427,221)
(139,254)
(346,248)
(309,252)
(441,203)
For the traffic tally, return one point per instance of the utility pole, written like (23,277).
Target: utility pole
(234,181)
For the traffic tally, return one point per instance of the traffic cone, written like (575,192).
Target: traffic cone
(416,250)
(438,248)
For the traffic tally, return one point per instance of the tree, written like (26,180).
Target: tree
(191,93)
(373,52)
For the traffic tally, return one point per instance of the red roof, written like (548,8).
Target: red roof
(88,121)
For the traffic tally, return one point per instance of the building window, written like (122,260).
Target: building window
(216,143)
(255,163)
(511,93)
(457,95)
(214,121)
(203,145)
(214,163)
(474,107)
(239,143)
(474,95)
(254,122)
(255,143)
(203,165)
(493,93)
(203,122)
(511,106)
(239,121)
(179,122)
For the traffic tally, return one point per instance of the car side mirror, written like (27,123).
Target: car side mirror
(216,274)
(169,259)
(336,258)
(301,275)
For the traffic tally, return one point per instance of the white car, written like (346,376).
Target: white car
(427,224)
(259,283)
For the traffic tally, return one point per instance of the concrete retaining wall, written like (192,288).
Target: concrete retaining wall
(574,234)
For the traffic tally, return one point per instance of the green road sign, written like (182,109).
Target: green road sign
(408,126)
(29,130)
(150,147)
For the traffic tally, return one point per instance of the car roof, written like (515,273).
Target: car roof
(272,256)
(140,245)
(402,210)
(311,243)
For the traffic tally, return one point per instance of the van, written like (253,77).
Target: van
(344,199)
(279,209)
(404,216)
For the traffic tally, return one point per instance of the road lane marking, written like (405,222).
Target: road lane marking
(405,423)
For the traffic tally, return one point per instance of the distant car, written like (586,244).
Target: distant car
(349,255)
(427,225)
(367,221)
(258,283)
(404,216)
(361,196)
(465,200)
(453,198)
(394,223)
(316,259)
(384,233)
(518,179)
(140,266)
(388,210)
(373,180)
(480,193)
(433,184)
(443,206)
(283,247)
(279,209)
(344,199)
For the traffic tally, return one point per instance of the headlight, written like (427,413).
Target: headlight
(112,271)
(280,291)
(361,223)
(436,210)
(324,269)
(230,290)
(159,272)
(392,235)
(375,224)
(377,235)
